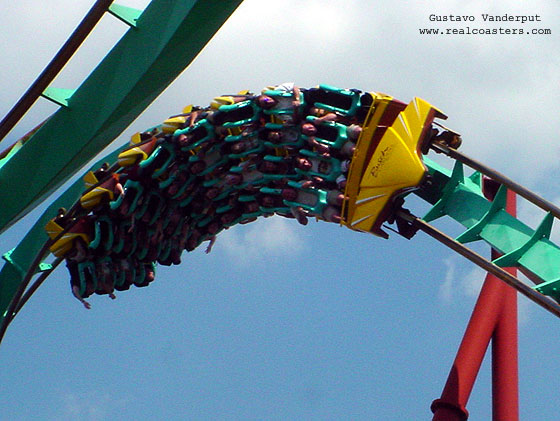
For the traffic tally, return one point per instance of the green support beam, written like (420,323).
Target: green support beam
(461,199)
(19,259)
(139,67)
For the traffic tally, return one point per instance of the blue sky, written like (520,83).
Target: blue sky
(282,321)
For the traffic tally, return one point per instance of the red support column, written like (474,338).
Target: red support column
(494,317)
(505,380)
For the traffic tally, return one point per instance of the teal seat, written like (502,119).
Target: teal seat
(152,200)
(280,176)
(271,210)
(163,184)
(251,176)
(202,131)
(232,223)
(126,238)
(226,192)
(119,277)
(319,197)
(226,189)
(245,154)
(179,227)
(131,188)
(337,132)
(224,208)
(143,247)
(281,95)
(252,215)
(342,101)
(238,114)
(86,271)
(172,207)
(297,143)
(165,250)
(106,260)
(159,160)
(204,220)
(213,160)
(211,183)
(184,187)
(103,234)
(140,276)
(173,176)
(122,232)
(334,166)
(243,198)
(186,201)
(258,146)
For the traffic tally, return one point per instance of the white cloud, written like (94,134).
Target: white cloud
(91,406)
(266,237)
(457,285)
(464,289)
(472,282)
(445,292)
(86,408)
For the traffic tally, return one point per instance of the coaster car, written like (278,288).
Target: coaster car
(387,162)
(342,101)
(327,168)
(329,133)
(312,200)
(179,121)
(212,160)
(218,101)
(201,132)
(133,192)
(284,105)
(99,192)
(294,141)
(138,151)
(158,162)
(236,115)
(82,229)
(103,238)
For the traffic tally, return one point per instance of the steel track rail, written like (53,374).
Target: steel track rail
(54,67)
(23,294)
(535,296)
(497,176)
(38,282)
(11,310)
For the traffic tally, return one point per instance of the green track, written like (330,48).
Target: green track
(140,66)
(461,198)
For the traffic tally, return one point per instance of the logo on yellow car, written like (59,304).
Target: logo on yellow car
(383,157)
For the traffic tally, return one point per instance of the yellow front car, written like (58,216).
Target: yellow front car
(387,161)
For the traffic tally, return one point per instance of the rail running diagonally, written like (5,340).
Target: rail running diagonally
(339,155)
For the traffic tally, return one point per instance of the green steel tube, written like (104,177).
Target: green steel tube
(489,267)
(19,260)
(55,66)
(139,67)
